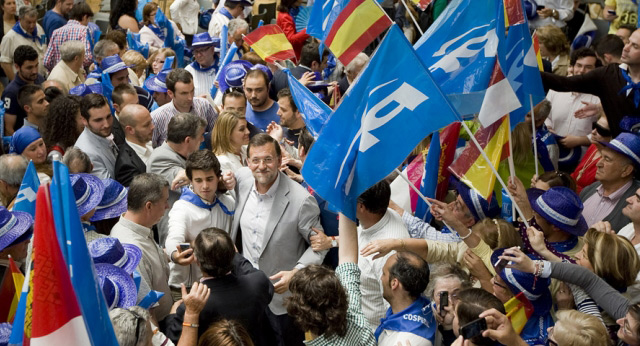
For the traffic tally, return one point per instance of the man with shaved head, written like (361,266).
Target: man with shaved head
(136,150)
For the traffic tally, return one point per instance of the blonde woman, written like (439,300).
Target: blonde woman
(555,48)
(229,141)
(156,60)
(574,328)
(138,64)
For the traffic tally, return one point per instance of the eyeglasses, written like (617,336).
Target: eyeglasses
(549,341)
(138,320)
(266,161)
(601,130)
(201,51)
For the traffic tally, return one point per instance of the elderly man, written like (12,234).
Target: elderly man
(352,71)
(96,139)
(272,226)
(76,29)
(32,100)
(146,204)
(26,32)
(604,200)
(12,169)
(180,88)
(237,29)
(69,69)
(134,154)
(26,62)
(205,66)
(56,17)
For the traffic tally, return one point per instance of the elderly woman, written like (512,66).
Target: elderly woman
(555,48)
(69,69)
(28,143)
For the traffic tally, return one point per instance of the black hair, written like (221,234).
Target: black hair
(24,53)
(376,198)
(412,271)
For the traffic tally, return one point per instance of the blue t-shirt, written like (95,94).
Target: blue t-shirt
(10,99)
(262,119)
(51,22)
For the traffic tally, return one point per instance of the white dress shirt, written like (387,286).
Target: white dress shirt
(143,152)
(185,12)
(565,13)
(254,220)
(563,106)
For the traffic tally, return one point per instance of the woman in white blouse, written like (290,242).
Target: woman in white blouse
(151,33)
(229,141)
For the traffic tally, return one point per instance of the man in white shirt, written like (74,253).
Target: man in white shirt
(200,206)
(185,13)
(26,32)
(205,65)
(377,221)
(555,12)
(135,151)
(231,9)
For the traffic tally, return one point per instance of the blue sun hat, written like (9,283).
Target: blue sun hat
(561,207)
(117,285)
(627,144)
(478,206)
(110,250)
(205,40)
(232,74)
(112,64)
(5,333)
(83,89)
(113,202)
(88,190)
(15,227)
(157,83)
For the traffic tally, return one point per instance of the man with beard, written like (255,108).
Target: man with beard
(134,153)
(96,139)
(261,110)
(56,17)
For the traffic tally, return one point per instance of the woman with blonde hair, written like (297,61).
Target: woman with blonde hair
(138,64)
(555,48)
(574,328)
(229,140)
(156,60)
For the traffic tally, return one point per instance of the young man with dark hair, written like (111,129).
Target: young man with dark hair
(291,119)
(56,17)
(32,100)
(262,110)
(609,49)
(74,30)
(200,206)
(95,140)
(238,290)
(310,62)
(25,59)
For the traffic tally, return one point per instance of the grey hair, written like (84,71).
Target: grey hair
(357,63)
(237,24)
(80,158)
(12,169)
(125,324)
(99,51)
(145,187)
(544,110)
(447,271)
(184,125)
(27,11)
(71,49)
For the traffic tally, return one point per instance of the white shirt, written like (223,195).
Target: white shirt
(633,291)
(218,20)
(390,226)
(565,13)
(230,162)
(563,106)
(202,80)
(143,152)
(254,220)
(185,12)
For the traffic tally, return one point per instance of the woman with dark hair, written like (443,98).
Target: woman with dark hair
(8,10)
(226,333)
(471,303)
(287,12)
(63,126)
(150,32)
(551,179)
(123,16)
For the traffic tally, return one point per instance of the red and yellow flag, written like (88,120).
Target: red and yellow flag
(270,43)
(536,48)
(518,309)
(513,13)
(472,168)
(359,23)
(422,4)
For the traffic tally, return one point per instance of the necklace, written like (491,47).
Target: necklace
(592,160)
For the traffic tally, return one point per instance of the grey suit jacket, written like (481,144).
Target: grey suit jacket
(286,239)
(615,218)
(99,151)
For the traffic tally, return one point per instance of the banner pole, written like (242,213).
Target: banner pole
(412,17)
(533,135)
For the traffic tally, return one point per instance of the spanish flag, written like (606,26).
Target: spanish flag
(518,309)
(357,25)
(422,4)
(472,168)
(270,43)
(536,48)
(10,291)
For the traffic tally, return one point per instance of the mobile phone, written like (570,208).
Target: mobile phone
(500,265)
(184,246)
(612,12)
(444,301)
(473,328)
(540,7)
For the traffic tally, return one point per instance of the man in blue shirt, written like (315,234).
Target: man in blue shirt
(56,17)
(261,110)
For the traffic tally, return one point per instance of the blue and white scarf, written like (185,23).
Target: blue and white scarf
(33,36)
(417,319)
(191,197)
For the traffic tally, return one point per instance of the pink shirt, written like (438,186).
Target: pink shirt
(597,207)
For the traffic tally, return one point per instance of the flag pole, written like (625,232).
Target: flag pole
(533,135)
(493,169)
(512,166)
(412,17)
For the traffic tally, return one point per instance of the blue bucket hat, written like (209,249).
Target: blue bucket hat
(5,333)
(15,227)
(22,138)
(232,74)
(205,40)
(157,83)
(113,202)
(561,207)
(88,190)
(112,64)
(83,89)
(627,144)
(478,206)
(264,69)
(118,287)
(110,250)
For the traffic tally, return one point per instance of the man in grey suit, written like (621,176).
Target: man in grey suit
(185,133)
(96,140)
(272,225)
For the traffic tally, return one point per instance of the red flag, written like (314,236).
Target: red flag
(270,43)
(448,143)
(513,13)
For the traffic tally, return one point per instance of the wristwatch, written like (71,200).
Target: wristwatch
(554,13)
(334,242)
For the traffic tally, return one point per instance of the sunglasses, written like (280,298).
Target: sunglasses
(601,130)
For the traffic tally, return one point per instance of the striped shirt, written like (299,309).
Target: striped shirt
(162,115)
(419,229)
(358,332)
(72,31)
(202,79)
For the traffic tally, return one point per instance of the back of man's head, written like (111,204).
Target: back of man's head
(183,125)
(118,37)
(104,48)
(412,271)
(12,169)
(24,53)
(214,251)
(90,102)
(71,49)
(77,161)
(310,54)
(26,92)
(145,187)
(178,75)
(80,10)
(471,303)
(610,44)
(118,93)
(376,198)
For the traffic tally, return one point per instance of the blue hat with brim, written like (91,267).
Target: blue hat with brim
(478,206)
(112,64)
(118,287)
(627,144)
(561,207)
(110,250)
(204,40)
(14,225)
(243,2)
(5,333)
(232,74)
(88,190)
(83,89)
(157,83)
(113,202)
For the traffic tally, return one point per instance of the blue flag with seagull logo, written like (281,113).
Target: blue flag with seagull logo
(26,198)
(393,105)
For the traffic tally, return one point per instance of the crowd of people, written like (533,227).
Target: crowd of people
(201,195)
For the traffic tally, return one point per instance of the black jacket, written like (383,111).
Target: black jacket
(128,165)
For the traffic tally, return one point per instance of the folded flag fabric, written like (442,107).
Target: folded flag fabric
(26,198)
(500,99)
(518,309)
(422,4)
(270,43)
